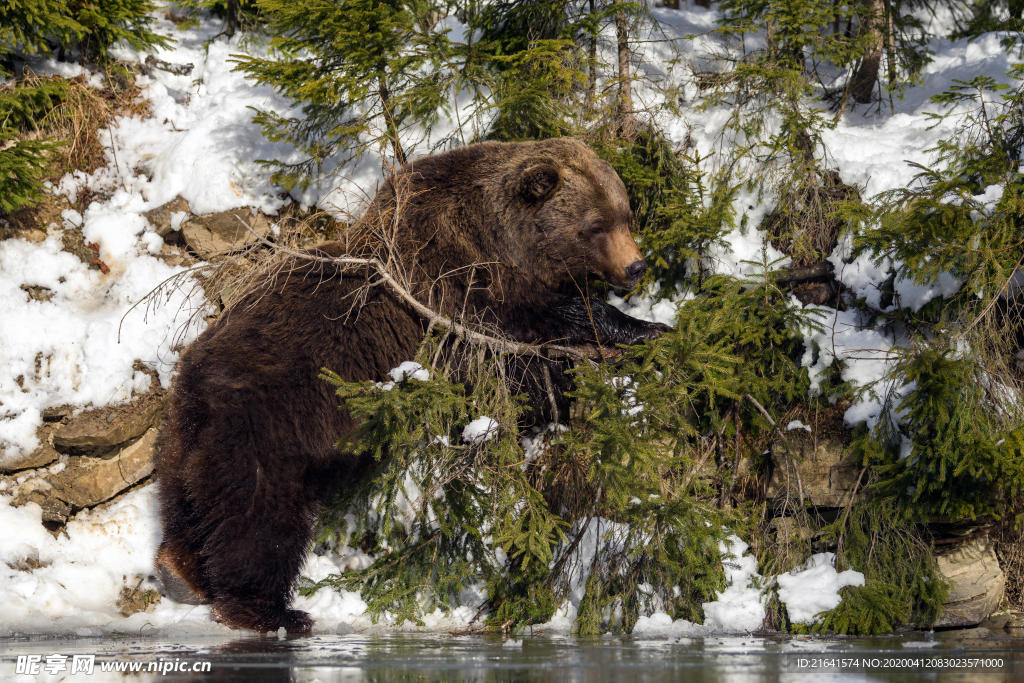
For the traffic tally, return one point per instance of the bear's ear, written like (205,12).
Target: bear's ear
(538,182)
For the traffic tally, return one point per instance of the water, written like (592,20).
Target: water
(358,658)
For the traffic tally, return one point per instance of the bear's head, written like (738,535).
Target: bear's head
(573,207)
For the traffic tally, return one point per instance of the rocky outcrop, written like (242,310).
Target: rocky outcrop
(86,460)
(108,427)
(168,218)
(222,233)
(43,455)
(827,473)
(977,582)
(87,481)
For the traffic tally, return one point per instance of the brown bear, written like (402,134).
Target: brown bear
(493,233)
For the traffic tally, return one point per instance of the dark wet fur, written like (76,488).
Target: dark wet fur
(248,452)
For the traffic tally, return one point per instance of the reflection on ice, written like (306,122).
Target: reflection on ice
(540,657)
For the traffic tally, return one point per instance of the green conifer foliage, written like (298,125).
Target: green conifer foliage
(28,26)
(436,509)
(106,22)
(903,584)
(952,435)
(23,162)
(678,218)
(963,462)
(362,72)
(764,329)
(238,15)
(39,26)
(948,223)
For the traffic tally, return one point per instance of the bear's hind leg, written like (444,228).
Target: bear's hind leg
(253,558)
(177,566)
(177,560)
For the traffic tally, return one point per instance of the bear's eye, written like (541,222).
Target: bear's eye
(594,229)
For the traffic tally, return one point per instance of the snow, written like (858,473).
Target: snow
(83,571)
(409,370)
(814,587)
(480,430)
(740,607)
(88,335)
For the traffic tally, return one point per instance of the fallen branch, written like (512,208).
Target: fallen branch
(176,69)
(816,270)
(586,353)
(974,534)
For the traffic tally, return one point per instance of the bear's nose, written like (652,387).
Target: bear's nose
(636,269)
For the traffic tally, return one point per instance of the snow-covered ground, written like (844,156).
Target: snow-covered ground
(200,143)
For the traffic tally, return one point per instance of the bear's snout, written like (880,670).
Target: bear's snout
(623,264)
(636,269)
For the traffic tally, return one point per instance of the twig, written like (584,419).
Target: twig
(550,390)
(176,69)
(736,457)
(789,452)
(696,470)
(846,513)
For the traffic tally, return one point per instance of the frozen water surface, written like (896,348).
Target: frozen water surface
(359,657)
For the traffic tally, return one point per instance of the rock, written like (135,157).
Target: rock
(29,234)
(977,582)
(162,217)
(173,256)
(344,628)
(54,413)
(38,293)
(34,487)
(43,455)
(54,509)
(93,430)
(1014,622)
(88,481)
(827,473)
(220,233)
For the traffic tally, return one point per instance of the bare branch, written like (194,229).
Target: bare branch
(495,344)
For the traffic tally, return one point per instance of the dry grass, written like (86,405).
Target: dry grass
(79,118)
(807,228)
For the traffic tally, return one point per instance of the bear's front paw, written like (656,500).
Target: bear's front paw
(297,621)
(258,615)
(650,331)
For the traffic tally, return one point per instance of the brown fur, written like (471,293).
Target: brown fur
(488,232)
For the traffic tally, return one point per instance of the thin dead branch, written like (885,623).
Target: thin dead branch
(495,344)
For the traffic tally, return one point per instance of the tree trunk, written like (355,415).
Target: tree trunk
(627,124)
(392,127)
(231,18)
(873,25)
(592,79)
